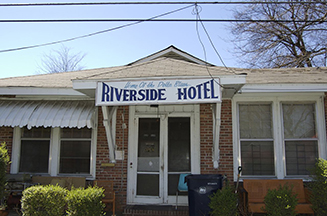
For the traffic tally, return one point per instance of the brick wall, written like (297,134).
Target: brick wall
(117,173)
(225,141)
(206,139)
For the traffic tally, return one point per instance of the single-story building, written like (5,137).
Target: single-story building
(143,124)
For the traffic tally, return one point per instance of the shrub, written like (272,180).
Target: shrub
(224,201)
(85,202)
(4,161)
(44,201)
(281,201)
(319,187)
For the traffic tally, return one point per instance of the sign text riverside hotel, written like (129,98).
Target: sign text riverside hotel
(158,92)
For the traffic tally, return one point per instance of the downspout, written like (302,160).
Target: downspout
(108,113)
(216,111)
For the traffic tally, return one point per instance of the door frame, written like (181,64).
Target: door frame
(136,112)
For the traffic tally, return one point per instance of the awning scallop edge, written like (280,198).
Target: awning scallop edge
(47,114)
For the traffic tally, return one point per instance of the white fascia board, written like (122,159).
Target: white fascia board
(84,84)
(232,79)
(39,91)
(272,88)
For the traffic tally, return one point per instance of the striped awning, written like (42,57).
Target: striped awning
(47,114)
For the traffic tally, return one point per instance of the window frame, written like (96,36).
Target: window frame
(73,139)
(278,129)
(256,139)
(297,139)
(34,139)
(54,155)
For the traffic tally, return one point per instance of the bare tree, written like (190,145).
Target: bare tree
(295,36)
(61,60)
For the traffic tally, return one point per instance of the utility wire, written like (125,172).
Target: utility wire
(156,20)
(95,33)
(153,3)
(196,12)
(208,36)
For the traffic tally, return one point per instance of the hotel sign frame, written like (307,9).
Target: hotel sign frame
(167,91)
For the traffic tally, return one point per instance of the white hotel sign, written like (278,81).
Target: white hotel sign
(158,92)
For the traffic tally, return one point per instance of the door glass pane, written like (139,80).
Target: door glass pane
(300,157)
(148,157)
(147,185)
(173,184)
(148,145)
(179,156)
(257,158)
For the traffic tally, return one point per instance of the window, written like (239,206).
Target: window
(257,146)
(300,137)
(35,145)
(278,136)
(75,150)
(53,151)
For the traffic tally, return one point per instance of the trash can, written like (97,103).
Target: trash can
(200,187)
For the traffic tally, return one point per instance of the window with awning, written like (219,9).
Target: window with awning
(51,137)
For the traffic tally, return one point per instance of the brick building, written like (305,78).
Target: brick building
(144,124)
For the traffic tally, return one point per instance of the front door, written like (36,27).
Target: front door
(164,147)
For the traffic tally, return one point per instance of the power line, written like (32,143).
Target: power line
(156,20)
(197,13)
(94,33)
(152,3)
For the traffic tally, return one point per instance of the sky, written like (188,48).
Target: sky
(113,48)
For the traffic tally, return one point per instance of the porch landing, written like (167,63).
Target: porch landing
(145,210)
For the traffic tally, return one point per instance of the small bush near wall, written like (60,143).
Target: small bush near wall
(4,161)
(281,201)
(319,188)
(44,201)
(85,202)
(224,202)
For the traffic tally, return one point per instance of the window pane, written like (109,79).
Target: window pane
(36,132)
(75,156)
(299,121)
(34,156)
(257,158)
(300,157)
(76,133)
(255,121)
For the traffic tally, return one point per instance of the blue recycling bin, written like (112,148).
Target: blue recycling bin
(200,188)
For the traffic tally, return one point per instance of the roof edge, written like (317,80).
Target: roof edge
(175,50)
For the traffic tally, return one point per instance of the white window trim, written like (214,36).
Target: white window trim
(54,154)
(276,101)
